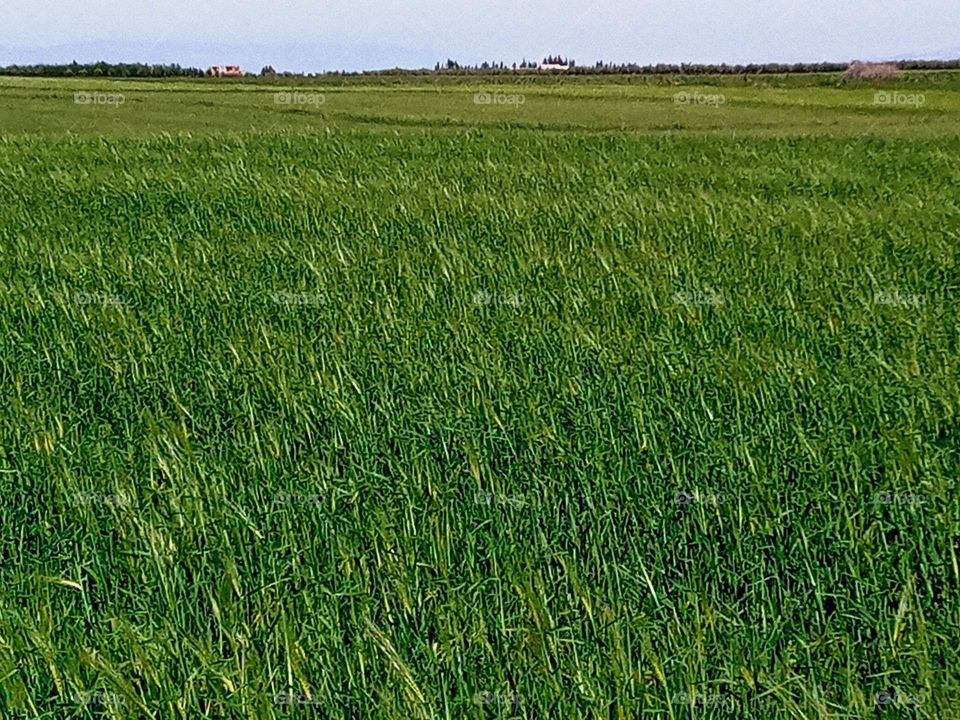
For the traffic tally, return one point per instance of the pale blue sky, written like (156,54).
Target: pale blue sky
(315,35)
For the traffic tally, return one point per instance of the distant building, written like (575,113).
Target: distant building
(556,62)
(225,71)
(871,70)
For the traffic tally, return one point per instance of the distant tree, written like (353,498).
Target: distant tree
(267,71)
(100,69)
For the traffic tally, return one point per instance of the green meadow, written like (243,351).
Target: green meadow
(557,398)
(920,104)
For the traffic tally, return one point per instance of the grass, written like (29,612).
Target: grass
(382,415)
(719,106)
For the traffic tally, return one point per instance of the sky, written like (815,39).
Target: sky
(320,35)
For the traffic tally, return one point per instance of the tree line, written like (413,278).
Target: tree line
(604,68)
(452,67)
(102,69)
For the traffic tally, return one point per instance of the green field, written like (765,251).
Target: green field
(774,106)
(387,401)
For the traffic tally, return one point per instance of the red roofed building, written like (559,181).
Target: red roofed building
(225,71)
